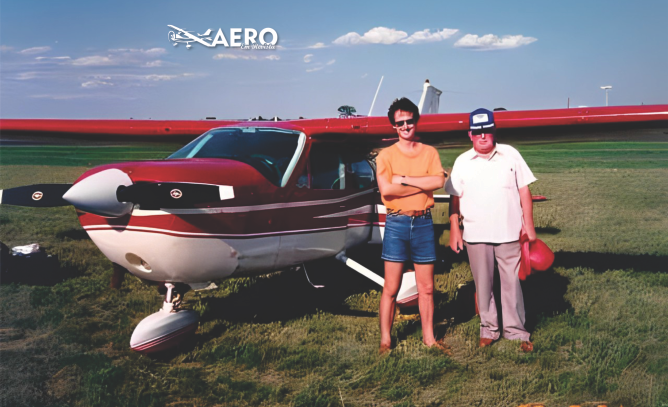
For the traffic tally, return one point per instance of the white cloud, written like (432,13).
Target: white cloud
(365,75)
(492,42)
(154,77)
(308,58)
(157,78)
(351,38)
(5,48)
(24,76)
(427,36)
(149,52)
(384,35)
(317,45)
(52,58)
(124,57)
(317,68)
(330,62)
(34,50)
(377,35)
(154,64)
(95,84)
(245,56)
(59,97)
(233,56)
(95,60)
(154,51)
(92,81)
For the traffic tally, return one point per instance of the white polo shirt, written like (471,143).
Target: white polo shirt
(488,191)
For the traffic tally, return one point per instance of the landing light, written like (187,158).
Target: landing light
(139,263)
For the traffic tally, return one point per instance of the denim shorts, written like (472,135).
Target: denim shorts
(409,238)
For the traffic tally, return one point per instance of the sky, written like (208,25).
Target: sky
(114,60)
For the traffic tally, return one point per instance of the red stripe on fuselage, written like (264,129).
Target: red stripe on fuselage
(211,235)
(305,218)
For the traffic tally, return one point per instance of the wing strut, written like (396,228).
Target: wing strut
(408,293)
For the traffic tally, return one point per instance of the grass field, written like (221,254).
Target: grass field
(599,318)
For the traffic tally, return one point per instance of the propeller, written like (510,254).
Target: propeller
(36,196)
(172,195)
(112,193)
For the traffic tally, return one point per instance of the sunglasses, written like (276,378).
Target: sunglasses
(401,123)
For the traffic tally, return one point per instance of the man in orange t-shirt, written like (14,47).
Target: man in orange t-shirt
(408,173)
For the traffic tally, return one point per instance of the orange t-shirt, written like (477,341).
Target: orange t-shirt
(392,161)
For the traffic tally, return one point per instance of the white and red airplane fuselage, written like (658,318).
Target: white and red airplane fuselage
(262,227)
(283,199)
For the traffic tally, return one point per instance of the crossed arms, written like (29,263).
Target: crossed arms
(413,185)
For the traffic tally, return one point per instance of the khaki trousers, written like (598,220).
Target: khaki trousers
(507,255)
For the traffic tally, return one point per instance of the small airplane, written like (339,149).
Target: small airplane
(183,36)
(248,198)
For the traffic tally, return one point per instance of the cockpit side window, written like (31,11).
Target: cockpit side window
(331,168)
(360,174)
(327,169)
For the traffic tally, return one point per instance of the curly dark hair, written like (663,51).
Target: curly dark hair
(404,104)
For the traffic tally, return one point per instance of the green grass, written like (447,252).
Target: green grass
(84,155)
(600,317)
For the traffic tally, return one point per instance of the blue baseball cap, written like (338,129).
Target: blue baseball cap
(482,121)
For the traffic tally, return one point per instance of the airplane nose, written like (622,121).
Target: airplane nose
(97,193)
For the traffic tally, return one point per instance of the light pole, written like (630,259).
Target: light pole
(606,88)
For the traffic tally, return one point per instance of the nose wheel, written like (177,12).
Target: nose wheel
(168,327)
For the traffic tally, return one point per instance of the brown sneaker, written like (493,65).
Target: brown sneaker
(526,346)
(485,342)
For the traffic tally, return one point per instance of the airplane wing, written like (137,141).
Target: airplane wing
(617,116)
(432,128)
(150,129)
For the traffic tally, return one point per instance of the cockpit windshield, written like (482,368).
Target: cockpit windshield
(273,152)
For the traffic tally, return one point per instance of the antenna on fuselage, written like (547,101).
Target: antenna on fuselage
(374,98)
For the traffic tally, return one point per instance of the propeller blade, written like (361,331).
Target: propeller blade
(172,195)
(36,196)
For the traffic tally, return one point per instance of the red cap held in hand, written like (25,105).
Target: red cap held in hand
(536,256)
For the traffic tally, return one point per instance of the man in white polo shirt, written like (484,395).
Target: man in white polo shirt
(489,189)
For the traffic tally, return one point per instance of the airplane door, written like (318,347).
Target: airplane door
(317,223)
(361,181)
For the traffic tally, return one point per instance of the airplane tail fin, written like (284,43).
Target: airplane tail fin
(430,99)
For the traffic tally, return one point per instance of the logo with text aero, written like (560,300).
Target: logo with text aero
(244,38)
